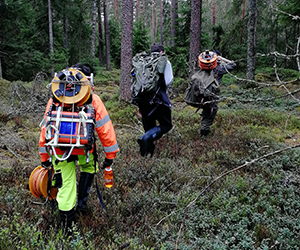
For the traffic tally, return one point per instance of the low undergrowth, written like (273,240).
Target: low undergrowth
(182,197)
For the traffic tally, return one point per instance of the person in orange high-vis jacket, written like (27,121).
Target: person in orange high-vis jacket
(65,174)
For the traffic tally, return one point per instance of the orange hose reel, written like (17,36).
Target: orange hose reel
(80,84)
(208,60)
(38,182)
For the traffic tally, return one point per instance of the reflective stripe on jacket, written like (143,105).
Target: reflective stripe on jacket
(105,129)
(42,150)
(103,126)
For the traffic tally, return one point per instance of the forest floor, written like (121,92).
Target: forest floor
(236,189)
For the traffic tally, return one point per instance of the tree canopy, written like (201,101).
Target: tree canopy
(24,34)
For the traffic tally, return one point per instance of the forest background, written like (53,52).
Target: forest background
(237,189)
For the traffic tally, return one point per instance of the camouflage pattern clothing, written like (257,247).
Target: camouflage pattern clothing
(210,111)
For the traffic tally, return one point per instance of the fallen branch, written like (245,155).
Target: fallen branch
(221,176)
(178,236)
(18,156)
(225,174)
(12,152)
(294,17)
(277,76)
(238,168)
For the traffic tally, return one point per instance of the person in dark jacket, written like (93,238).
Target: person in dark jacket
(159,110)
(209,112)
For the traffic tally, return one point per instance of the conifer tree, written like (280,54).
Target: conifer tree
(126,50)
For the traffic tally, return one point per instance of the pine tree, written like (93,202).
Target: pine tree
(195,34)
(251,52)
(126,50)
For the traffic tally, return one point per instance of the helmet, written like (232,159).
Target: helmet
(38,183)
(71,86)
(208,60)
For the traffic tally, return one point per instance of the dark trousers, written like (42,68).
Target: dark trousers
(208,116)
(152,113)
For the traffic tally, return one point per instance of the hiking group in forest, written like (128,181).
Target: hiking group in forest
(74,113)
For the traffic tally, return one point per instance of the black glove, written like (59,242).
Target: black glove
(46,164)
(107,163)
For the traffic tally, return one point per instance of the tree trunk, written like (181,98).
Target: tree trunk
(138,6)
(107,45)
(116,9)
(156,25)
(195,35)
(50,37)
(251,46)
(153,21)
(0,69)
(213,18)
(243,16)
(93,30)
(286,39)
(161,22)
(275,40)
(143,10)
(126,50)
(174,9)
(65,30)
(101,45)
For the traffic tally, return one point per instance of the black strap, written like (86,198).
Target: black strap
(100,197)
(95,164)
(49,183)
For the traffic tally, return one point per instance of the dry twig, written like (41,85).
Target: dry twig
(238,168)
(218,178)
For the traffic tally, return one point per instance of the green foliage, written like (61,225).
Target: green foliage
(291,7)
(25,42)
(162,202)
(283,73)
(115,42)
(106,77)
(150,204)
(178,56)
(22,41)
(218,32)
(141,38)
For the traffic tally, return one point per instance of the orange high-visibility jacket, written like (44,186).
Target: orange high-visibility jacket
(103,127)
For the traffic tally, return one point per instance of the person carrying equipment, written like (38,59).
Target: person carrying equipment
(152,74)
(67,138)
(204,88)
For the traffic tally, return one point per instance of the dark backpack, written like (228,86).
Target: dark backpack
(203,89)
(146,72)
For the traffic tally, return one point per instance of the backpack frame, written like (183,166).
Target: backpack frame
(203,90)
(146,70)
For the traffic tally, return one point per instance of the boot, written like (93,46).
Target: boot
(204,133)
(67,218)
(85,183)
(143,148)
(146,141)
